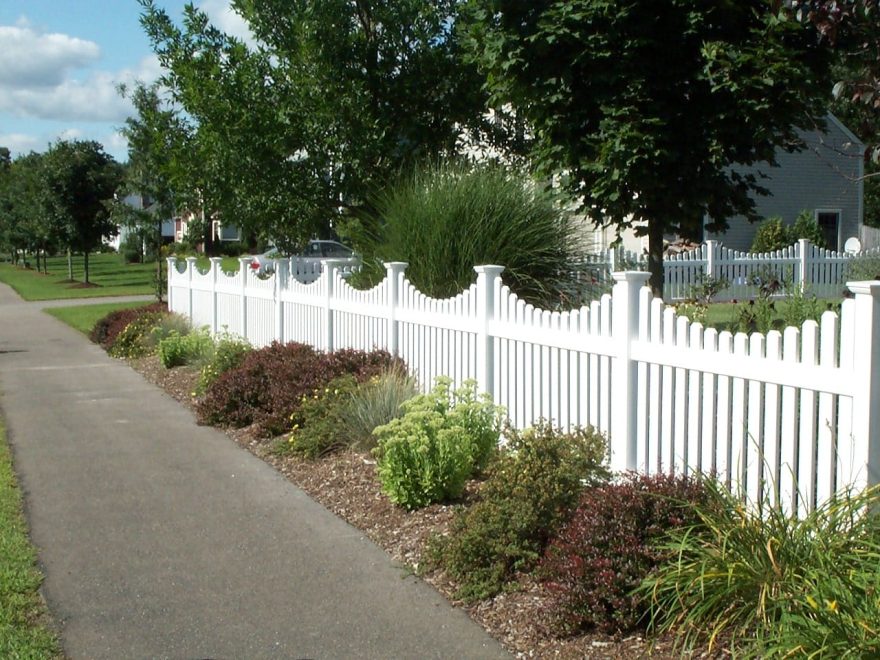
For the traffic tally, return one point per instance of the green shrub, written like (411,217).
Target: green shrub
(444,220)
(693,311)
(801,306)
(428,454)
(769,583)
(319,429)
(609,546)
(805,226)
(375,403)
(135,339)
(861,269)
(771,235)
(227,354)
(177,350)
(531,488)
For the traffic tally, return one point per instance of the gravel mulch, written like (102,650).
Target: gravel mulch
(346,483)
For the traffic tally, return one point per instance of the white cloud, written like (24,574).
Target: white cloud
(70,134)
(94,99)
(228,20)
(20,143)
(32,59)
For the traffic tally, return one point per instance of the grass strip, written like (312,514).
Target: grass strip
(108,276)
(84,317)
(23,614)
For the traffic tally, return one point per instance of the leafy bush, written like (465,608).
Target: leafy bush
(861,269)
(179,349)
(610,545)
(530,491)
(135,339)
(773,234)
(770,236)
(805,226)
(770,583)
(268,386)
(227,354)
(375,403)
(107,328)
(428,454)
(319,429)
(801,306)
(444,220)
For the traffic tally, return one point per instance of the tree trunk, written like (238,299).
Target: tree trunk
(655,257)
(69,265)
(86,266)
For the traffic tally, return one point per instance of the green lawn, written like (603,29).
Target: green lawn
(723,316)
(23,615)
(108,275)
(84,317)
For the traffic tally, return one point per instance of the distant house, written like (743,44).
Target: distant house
(825,179)
(140,203)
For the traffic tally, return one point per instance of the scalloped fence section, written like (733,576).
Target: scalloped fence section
(791,416)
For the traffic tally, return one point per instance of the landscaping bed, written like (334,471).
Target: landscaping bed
(346,483)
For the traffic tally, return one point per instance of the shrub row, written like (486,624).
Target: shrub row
(269,385)
(108,328)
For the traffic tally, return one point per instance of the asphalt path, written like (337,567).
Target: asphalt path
(160,538)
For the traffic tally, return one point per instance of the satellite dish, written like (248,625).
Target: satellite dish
(852,246)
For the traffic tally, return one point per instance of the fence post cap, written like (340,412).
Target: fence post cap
(172,259)
(396,266)
(191,259)
(489,269)
(245,260)
(870,287)
(215,260)
(634,276)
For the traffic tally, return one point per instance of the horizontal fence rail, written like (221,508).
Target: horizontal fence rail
(785,416)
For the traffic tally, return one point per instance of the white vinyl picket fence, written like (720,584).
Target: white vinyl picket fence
(792,416)
(819,271)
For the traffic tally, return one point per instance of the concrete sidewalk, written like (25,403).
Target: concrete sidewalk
(160,538)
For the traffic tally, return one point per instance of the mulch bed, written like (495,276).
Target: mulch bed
(345,482)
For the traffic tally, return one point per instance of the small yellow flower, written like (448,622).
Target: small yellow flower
(831,605)
(812,602)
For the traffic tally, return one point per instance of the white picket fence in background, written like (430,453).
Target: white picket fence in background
(793,416)
(823,272)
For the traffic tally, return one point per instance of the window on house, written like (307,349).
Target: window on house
(829,224)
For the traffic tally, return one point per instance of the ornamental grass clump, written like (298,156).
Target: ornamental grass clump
(530,491)
(445,219)
(442,439)
(770,584)
(375,403)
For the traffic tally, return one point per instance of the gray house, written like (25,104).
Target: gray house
(825,179)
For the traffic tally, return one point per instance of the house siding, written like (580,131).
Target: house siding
(825,176)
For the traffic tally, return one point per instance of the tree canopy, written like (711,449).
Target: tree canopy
(643,108)
(333,101)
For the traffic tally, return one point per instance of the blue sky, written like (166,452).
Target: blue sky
(60,63)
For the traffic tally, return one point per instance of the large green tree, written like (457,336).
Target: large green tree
(80,180)
(335,99)
(644,107)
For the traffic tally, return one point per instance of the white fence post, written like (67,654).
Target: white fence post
(244,266)
(486,276)
(804,274)
(624,383)
(393,271)
(330,267)
(710,259)
(866,372)
(215,273)
(172,269)
(190,269)
(282,275)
